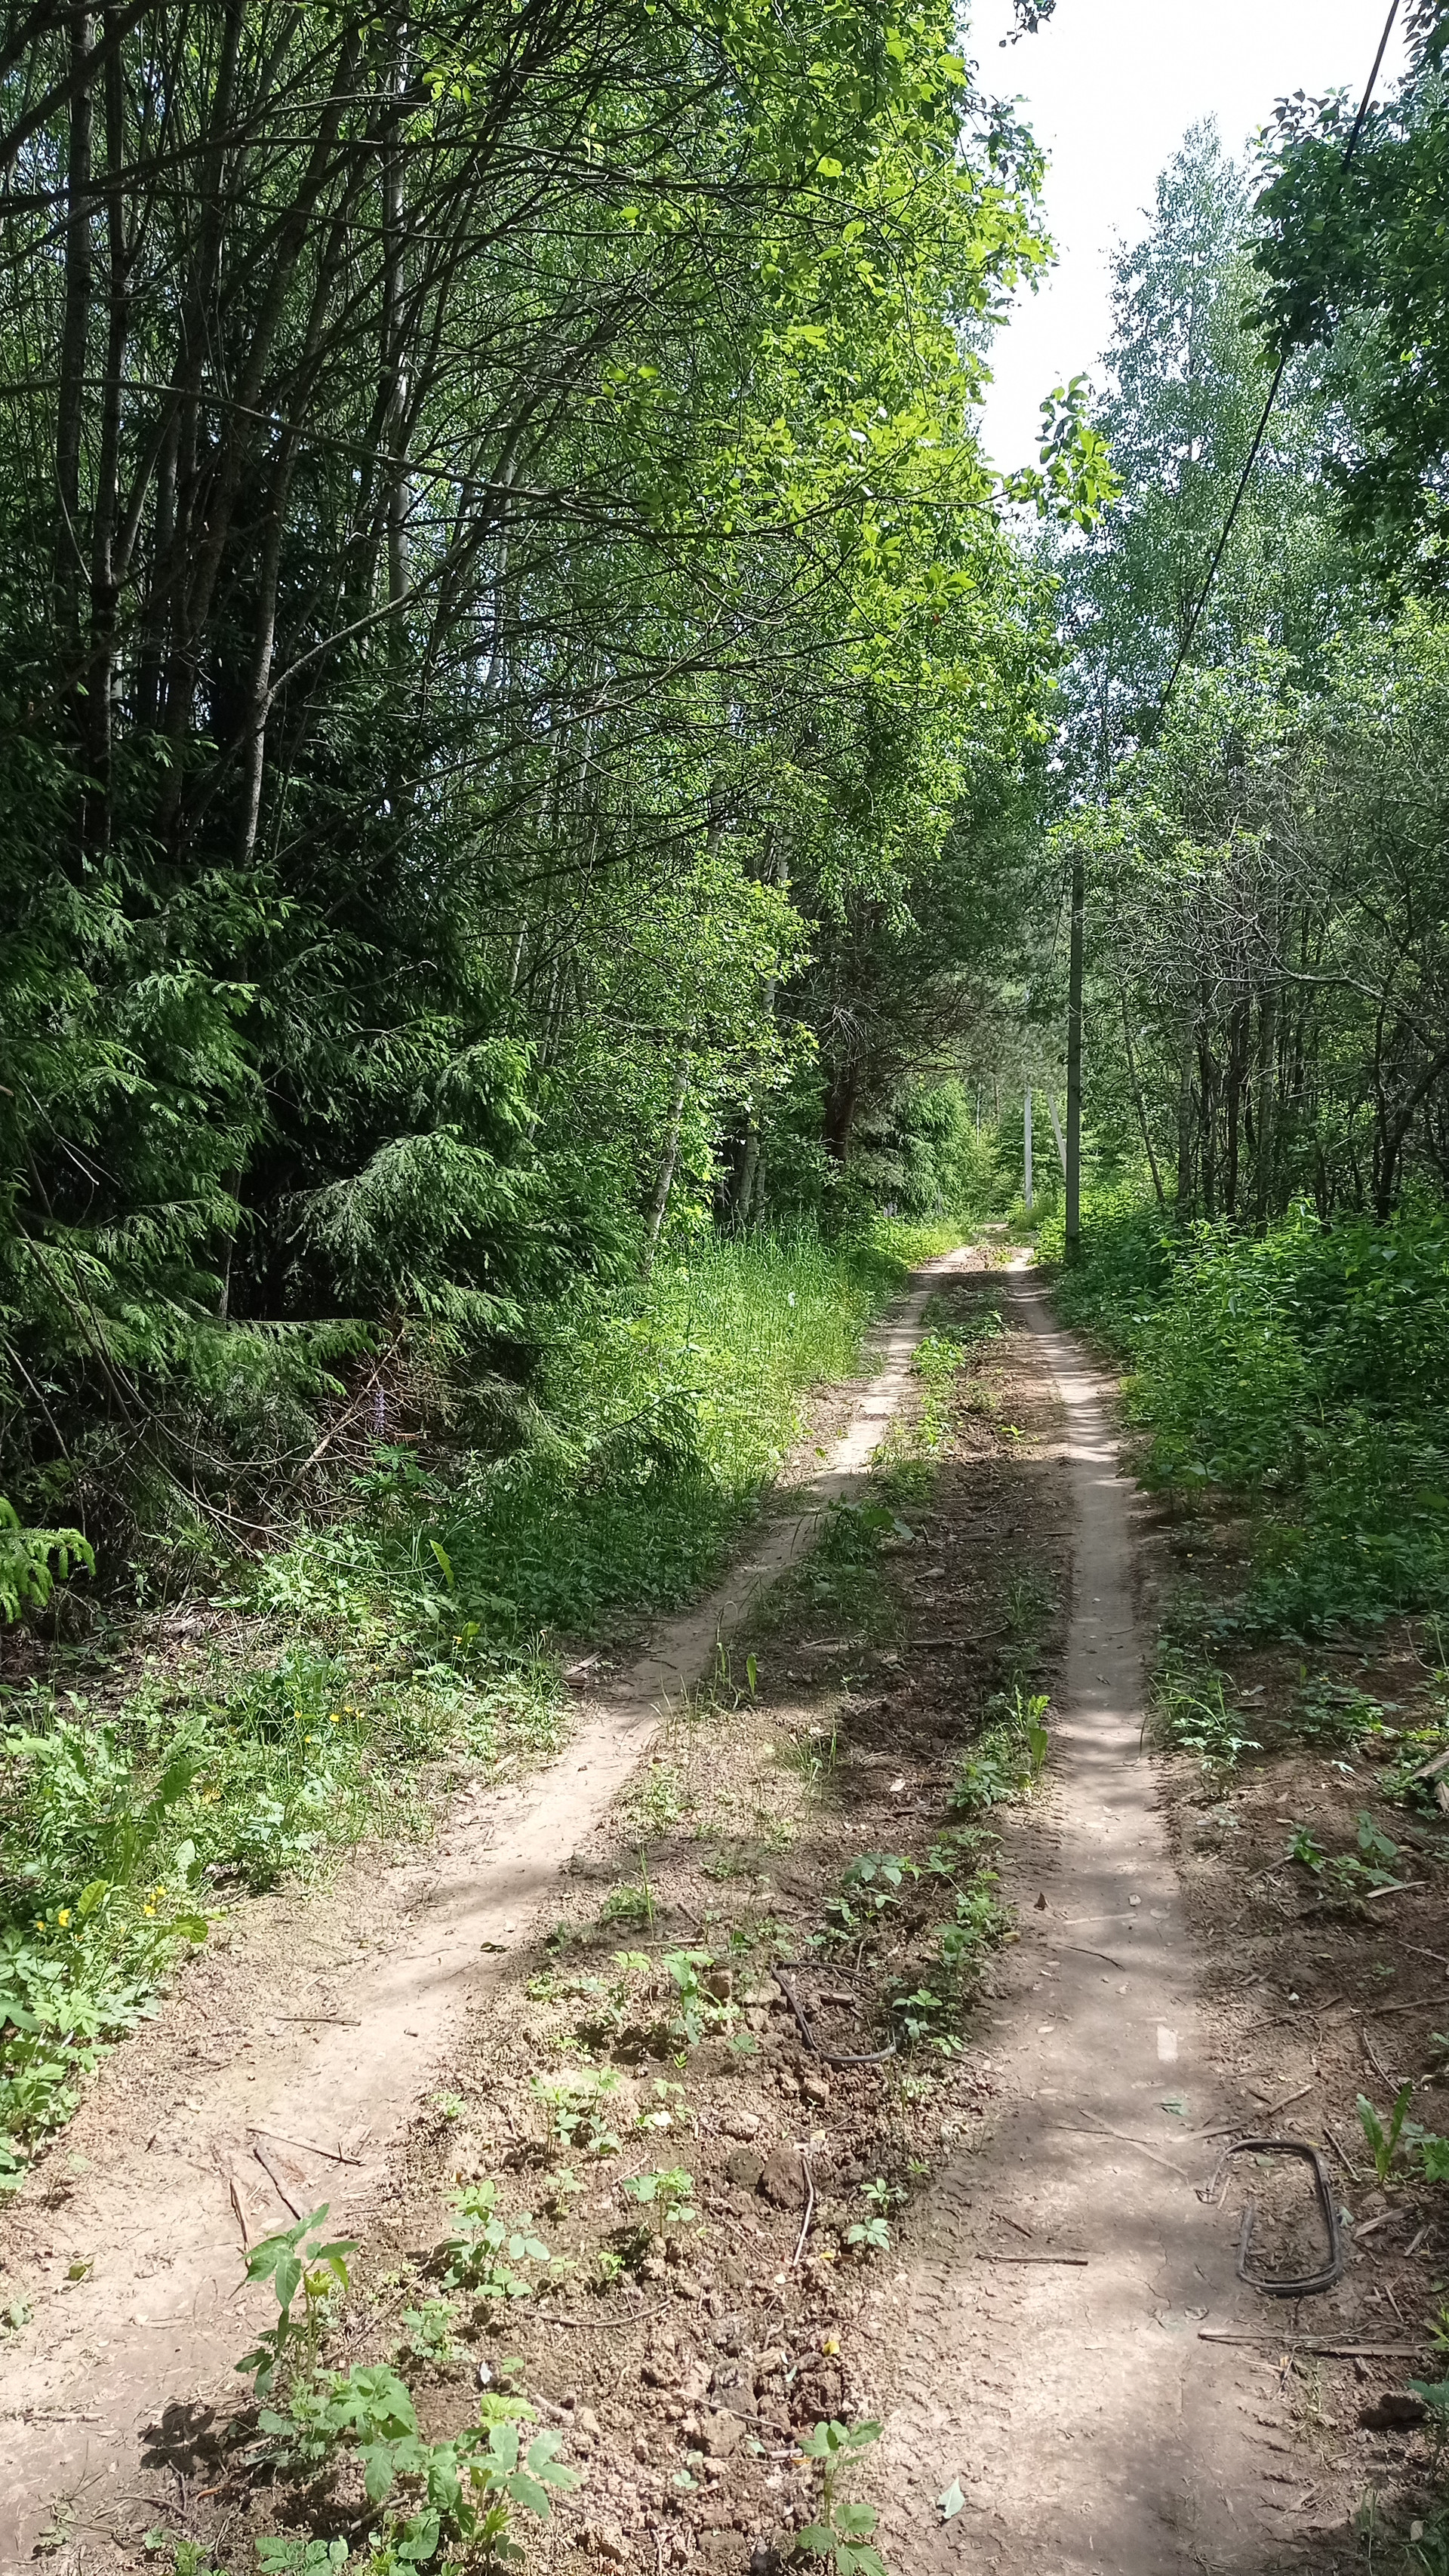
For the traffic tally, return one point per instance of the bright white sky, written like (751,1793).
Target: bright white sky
(1109,87)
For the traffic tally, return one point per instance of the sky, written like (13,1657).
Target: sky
(1109,88)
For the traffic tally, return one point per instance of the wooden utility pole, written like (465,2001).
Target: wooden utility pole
(1074,1064)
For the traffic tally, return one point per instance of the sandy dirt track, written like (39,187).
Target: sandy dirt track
(1088,2425)
(336,2054)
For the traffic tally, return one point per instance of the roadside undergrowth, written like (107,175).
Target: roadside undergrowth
(1286,1393)
(159,1766)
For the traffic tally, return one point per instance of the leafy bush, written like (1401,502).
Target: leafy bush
(1300,1370)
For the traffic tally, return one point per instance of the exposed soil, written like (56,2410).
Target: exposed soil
(328,2020)
(1170,1978)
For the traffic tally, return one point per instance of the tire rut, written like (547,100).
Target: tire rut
(155,2323)
(1086,2422)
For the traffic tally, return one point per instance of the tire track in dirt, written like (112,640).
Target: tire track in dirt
(158,2319)
(1087,2424)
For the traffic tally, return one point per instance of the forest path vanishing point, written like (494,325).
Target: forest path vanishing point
(338,2056)
(1088,2424)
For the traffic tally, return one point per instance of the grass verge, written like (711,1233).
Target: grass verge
(1298,1374)
(342,1680)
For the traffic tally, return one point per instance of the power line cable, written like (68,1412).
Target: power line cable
(1266,414)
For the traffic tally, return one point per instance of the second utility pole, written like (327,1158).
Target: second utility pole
(1074,1065)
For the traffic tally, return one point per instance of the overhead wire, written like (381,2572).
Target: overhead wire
(1266,414)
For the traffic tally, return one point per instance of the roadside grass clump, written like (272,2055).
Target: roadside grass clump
(938,1361)
(842,1578)
(1299,1372)
(373,1651)
(123,1835)
(925,2000)
(661,1412)
(1007,1758)
(1341,1878)
(1193,1712)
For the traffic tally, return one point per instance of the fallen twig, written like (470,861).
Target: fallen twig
(1323,2345)
(602,2325)
(241,2216)
(809,2210)
(1099,2129)
(1395,1887)
(268,2166)
(1385,2218)
(1225,2128)
(983,2257)
(334,2155)
(1376,2062)
(1341,2151)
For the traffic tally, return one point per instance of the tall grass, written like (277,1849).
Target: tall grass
(415,1630)
(663,1411)
(1301,1371)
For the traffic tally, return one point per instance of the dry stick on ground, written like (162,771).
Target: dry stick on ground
(1429,1770)
(334,2155)
(1341,2151)
(1141,2145)
(983,2257)
(269,2167)
(241,2216)
(1376,2062)
(1250,2120)
(809,2209)
(1323,2345)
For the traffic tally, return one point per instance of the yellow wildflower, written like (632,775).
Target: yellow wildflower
(63,1917)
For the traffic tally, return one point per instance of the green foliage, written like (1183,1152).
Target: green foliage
(1009,1754)
(1350,263)
(1383,2140)
(472,2483)
(27,1578)
(669,2191)
(292,2260)
(419,908)
(842,2537)
(1297,1370)
(1190,1699)
(478,2255)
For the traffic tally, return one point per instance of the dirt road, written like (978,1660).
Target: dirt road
(333,2038)
(1065,2406)
(1086,2422)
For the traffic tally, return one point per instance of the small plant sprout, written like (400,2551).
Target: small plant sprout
(291,2263)
(573,2104)
(843,2536)
(872,2235)
(669,2191)
(1384,2142)
(277,2556)
(430,2337)
(478,2255)
(696,2008)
